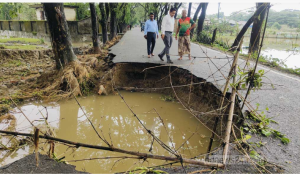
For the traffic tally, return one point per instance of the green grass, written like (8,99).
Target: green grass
(22,47)
(22,40)
(13,63)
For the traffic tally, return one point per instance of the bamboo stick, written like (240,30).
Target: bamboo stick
(231,70)
(141,155)
(232,103)
(258,55)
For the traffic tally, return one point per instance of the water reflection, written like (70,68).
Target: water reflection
(114,121)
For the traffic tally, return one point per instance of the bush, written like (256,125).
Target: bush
(276,25)
(204,37)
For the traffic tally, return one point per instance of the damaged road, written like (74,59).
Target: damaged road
(281,101)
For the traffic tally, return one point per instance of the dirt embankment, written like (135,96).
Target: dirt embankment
(27,165)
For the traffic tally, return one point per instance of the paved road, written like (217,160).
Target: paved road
(282,101)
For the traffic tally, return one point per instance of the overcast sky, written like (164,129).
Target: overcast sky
(228,8)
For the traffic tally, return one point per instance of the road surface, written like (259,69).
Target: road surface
(283,101)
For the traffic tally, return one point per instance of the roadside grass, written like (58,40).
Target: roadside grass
(22,40)
(13,63)
(21,47)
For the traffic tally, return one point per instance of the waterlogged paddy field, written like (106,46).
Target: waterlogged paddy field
(286,50)
(119,126)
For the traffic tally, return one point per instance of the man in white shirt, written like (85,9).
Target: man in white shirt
(167,28)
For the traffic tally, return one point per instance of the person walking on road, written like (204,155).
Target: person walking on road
(185,24)
(167,28)
(151,33)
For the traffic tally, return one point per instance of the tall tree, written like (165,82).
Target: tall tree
(60,36)
(190,8)
(96,42)
(201,17)
(256,28)
(244,29)
(113,20)
(177,6)
(107,10)
(103,22)
(195,17)
(166,8)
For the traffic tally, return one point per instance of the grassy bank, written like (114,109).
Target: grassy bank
(22,40)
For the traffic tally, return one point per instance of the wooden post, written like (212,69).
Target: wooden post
(214,36)
(212,138)
(36,145)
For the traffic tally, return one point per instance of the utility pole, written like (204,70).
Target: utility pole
(218,11)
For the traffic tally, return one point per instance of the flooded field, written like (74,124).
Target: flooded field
(286,50)
(110,115)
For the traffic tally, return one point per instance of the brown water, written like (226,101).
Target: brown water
(110,114)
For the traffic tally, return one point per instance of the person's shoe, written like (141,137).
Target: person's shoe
(170,62)
(160,57)
(148,56)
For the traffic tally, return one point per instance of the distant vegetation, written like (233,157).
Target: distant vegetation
(17,11)
(288,17)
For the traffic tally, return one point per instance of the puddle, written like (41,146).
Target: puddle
(113,117)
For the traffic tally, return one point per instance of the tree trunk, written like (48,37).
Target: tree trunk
(189,11)
(166,9)
(256,29)
(59,31)
(107,10)
(160,18)
(96,42)
(244,29)
(195,17)
(177,6)
(103,22)
(113,20)
(214,36)
(201,18)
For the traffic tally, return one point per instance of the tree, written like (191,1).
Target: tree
(162,12)
(256,28)
(113,20)
(276,25)
(177,6)
(167,6)
(96,42)
(123,15)
(103,22)
(195,17)
(189,11)
(244,29)
(201,18)
(59,31)
(17,11)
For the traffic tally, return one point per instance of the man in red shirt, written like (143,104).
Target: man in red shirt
(185,24)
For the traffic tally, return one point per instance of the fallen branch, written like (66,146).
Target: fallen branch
(141,155)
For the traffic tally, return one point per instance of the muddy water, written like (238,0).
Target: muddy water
(119,126)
